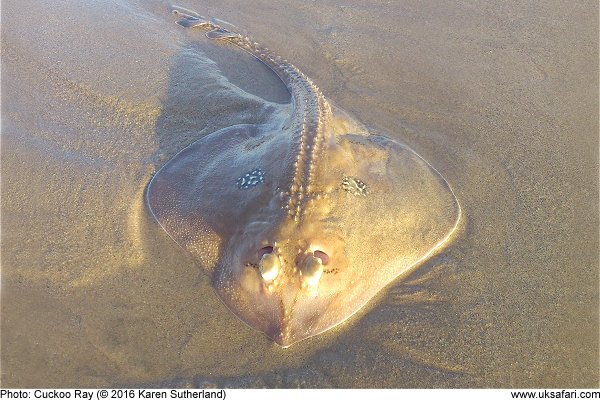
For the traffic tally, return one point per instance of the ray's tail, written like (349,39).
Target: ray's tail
(311,113)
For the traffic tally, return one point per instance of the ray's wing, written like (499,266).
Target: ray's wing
(203,193)
(394,209)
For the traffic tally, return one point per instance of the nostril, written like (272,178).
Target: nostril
(264,250)
(322,255)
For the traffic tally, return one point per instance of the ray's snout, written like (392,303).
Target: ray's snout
(296,318)
(288,279)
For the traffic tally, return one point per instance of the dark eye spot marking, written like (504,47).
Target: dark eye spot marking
(251,179)
(322,255)
(354,186)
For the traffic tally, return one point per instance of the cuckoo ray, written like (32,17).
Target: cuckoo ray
(300,224)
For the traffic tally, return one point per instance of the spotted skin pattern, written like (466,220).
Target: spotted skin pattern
(251,179)
(354,186)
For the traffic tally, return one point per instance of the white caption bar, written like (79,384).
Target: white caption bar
(295,394)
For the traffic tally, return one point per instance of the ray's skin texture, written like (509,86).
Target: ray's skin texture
(300,223)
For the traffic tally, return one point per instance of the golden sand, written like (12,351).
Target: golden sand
(501,98)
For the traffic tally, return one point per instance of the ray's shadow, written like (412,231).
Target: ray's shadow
(212,86)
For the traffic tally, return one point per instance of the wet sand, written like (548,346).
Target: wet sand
(501,98)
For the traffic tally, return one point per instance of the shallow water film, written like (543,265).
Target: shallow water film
(501,97)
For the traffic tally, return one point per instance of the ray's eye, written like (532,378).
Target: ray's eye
(264,250)
(322,255)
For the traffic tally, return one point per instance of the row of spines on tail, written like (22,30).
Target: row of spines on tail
(311,112)
(288,73)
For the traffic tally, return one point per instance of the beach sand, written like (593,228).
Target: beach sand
(501,97)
